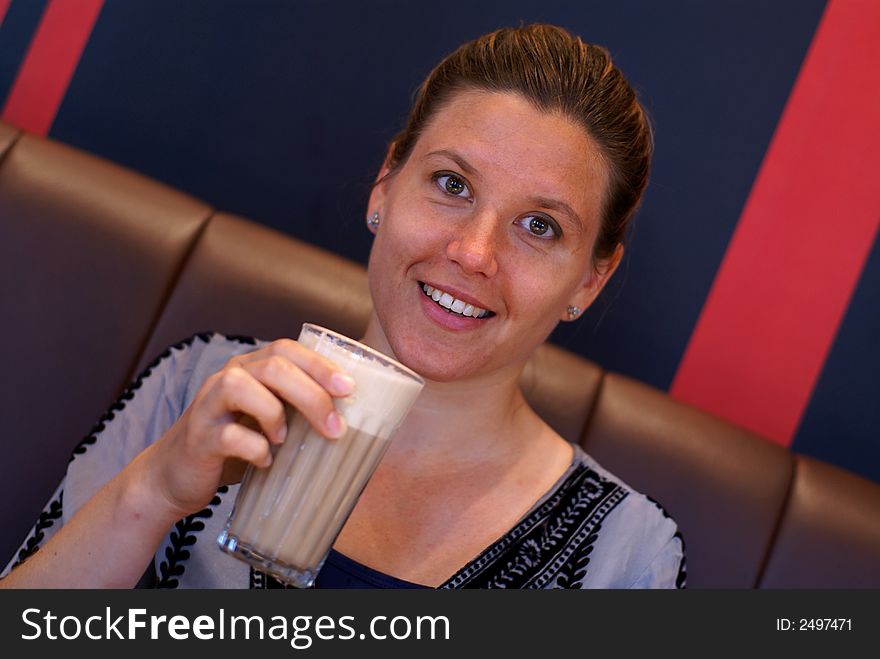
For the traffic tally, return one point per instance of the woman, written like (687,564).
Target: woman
(499,211)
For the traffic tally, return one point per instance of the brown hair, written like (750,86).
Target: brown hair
(558,73)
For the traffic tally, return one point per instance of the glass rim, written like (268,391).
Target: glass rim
(372,352)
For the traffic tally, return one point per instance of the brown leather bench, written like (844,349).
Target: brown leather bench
(102,268)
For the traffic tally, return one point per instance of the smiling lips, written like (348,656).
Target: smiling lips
(454,305)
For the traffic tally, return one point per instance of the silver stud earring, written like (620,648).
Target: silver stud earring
(373,221)
(573,311)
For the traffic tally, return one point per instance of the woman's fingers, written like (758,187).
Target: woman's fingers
(302,378)
(293,384)
(236,390)
(243,405)
(237,441)
(323,371)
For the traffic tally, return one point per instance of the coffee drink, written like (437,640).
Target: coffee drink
(286,517)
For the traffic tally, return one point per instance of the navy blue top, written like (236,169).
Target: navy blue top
(339,571)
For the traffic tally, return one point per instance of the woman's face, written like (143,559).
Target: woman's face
(496,209)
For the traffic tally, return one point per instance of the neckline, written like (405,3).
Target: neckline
(376,577)
(370,575)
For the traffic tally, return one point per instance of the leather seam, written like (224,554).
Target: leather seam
(173,282)
(781,517)
(14,143)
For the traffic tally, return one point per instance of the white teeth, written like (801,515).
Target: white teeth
(456,306)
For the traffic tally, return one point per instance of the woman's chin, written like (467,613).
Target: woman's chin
(427,357)
(436,366)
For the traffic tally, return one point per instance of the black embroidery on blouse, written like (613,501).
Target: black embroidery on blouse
(182,537)
(45,521)
(241,338)
(556,538)
(128,394)
(262,581)
(574,571)
(681,577)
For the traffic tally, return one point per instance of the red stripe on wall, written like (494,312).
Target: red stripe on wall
(802,240)
(49,63)
(4,5)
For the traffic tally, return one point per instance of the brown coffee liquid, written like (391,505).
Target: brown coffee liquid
(293,511)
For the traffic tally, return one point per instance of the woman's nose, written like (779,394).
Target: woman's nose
(474,246)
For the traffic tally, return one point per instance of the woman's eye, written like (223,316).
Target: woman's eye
(452,184)
(541,227)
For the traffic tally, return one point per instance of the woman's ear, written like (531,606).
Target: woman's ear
(593,284)
(377,193)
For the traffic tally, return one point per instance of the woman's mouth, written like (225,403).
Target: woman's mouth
(453,305)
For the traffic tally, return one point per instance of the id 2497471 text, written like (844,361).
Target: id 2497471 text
(813,624)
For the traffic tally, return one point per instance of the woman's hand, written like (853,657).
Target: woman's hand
(235,416)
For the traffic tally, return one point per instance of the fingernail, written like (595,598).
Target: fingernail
(335,424)
(342,383)
(282,433)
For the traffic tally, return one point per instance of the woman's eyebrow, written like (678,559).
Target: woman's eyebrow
(559,205)
(455,157)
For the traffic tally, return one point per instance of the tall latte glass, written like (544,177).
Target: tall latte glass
(287,516)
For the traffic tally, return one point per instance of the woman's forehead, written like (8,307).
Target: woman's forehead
(502,134)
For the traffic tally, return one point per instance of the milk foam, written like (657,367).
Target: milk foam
(384,391)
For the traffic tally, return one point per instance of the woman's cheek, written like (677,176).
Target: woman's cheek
(422,230)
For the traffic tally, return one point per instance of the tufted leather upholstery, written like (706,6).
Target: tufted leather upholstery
(102,268)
